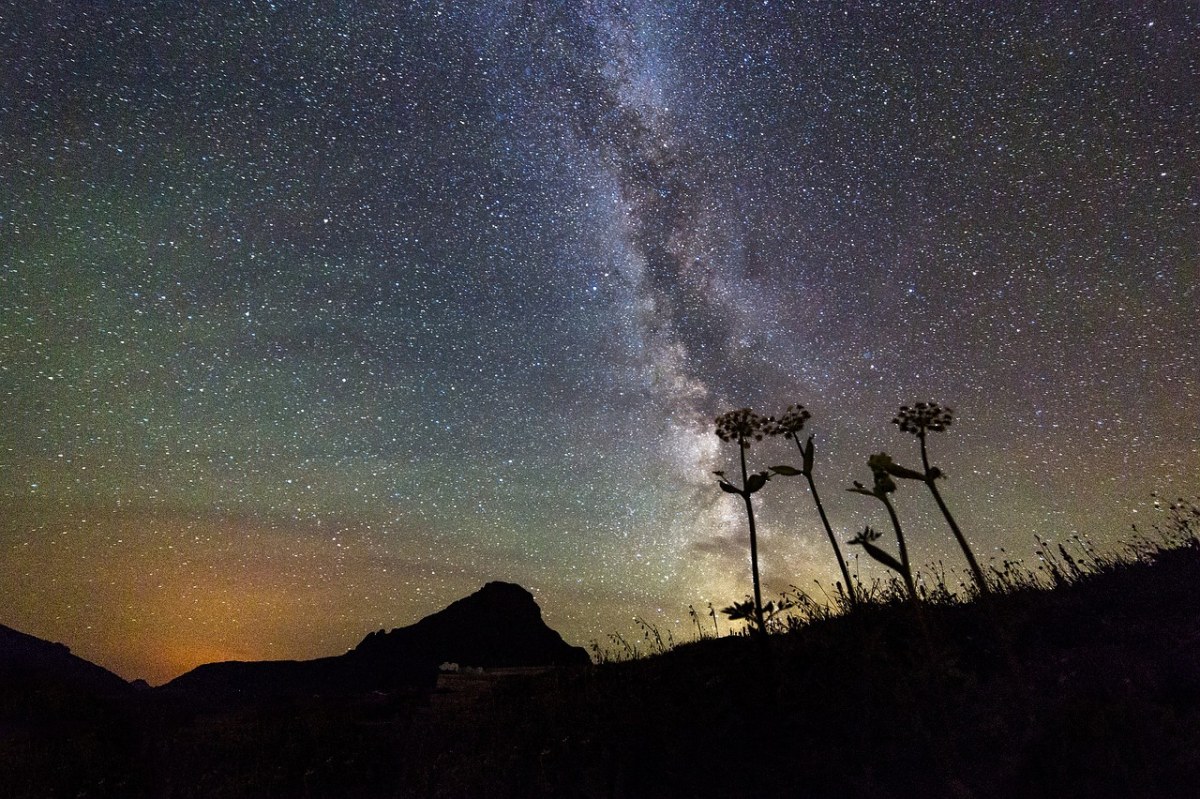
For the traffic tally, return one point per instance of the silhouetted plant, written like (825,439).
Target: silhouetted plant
(1181,524)
(701,633)
(695,617)
(746,611)
(789,426)
(881,466)
(1064,569)
(744,426)
(921,419)
(808,609)
(866,539)
(741,611)
(1012,576)
(653,638)
(623,650)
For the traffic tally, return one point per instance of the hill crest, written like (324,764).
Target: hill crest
(498,626)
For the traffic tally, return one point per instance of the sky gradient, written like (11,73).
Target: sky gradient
(316,316)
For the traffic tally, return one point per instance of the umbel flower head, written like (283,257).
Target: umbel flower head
(791,423)
(922,417)
(743,426)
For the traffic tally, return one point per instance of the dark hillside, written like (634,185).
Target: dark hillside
(25,659)
(1092,689)
(1088,690)
(63,721)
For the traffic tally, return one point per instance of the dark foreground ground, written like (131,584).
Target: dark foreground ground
(1091,689)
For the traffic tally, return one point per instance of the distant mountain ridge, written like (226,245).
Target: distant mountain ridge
(498,626)
(29,663)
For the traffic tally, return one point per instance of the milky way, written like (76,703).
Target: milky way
(317,315)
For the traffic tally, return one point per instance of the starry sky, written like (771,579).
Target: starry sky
(315,316)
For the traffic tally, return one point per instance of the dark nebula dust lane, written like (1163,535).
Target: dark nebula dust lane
(315,316)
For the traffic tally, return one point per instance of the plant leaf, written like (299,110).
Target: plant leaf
(786,471)
(883,557)
(756,481)
(738,610)
(896,470)
(728,488)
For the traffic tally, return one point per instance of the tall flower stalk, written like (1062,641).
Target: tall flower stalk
(882,468)
(790,425)
(921,419)
(744,426)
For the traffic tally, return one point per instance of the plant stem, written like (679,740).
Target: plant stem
(976,572)
(907,574)
(758,606)
(833,540)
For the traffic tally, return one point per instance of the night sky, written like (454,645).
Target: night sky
(316,316)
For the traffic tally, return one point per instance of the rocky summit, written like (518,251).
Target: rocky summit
(499,626)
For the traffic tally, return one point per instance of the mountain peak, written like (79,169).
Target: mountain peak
(499,625)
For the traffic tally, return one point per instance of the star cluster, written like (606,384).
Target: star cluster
(316,315)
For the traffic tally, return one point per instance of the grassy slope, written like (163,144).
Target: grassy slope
(1092,689)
